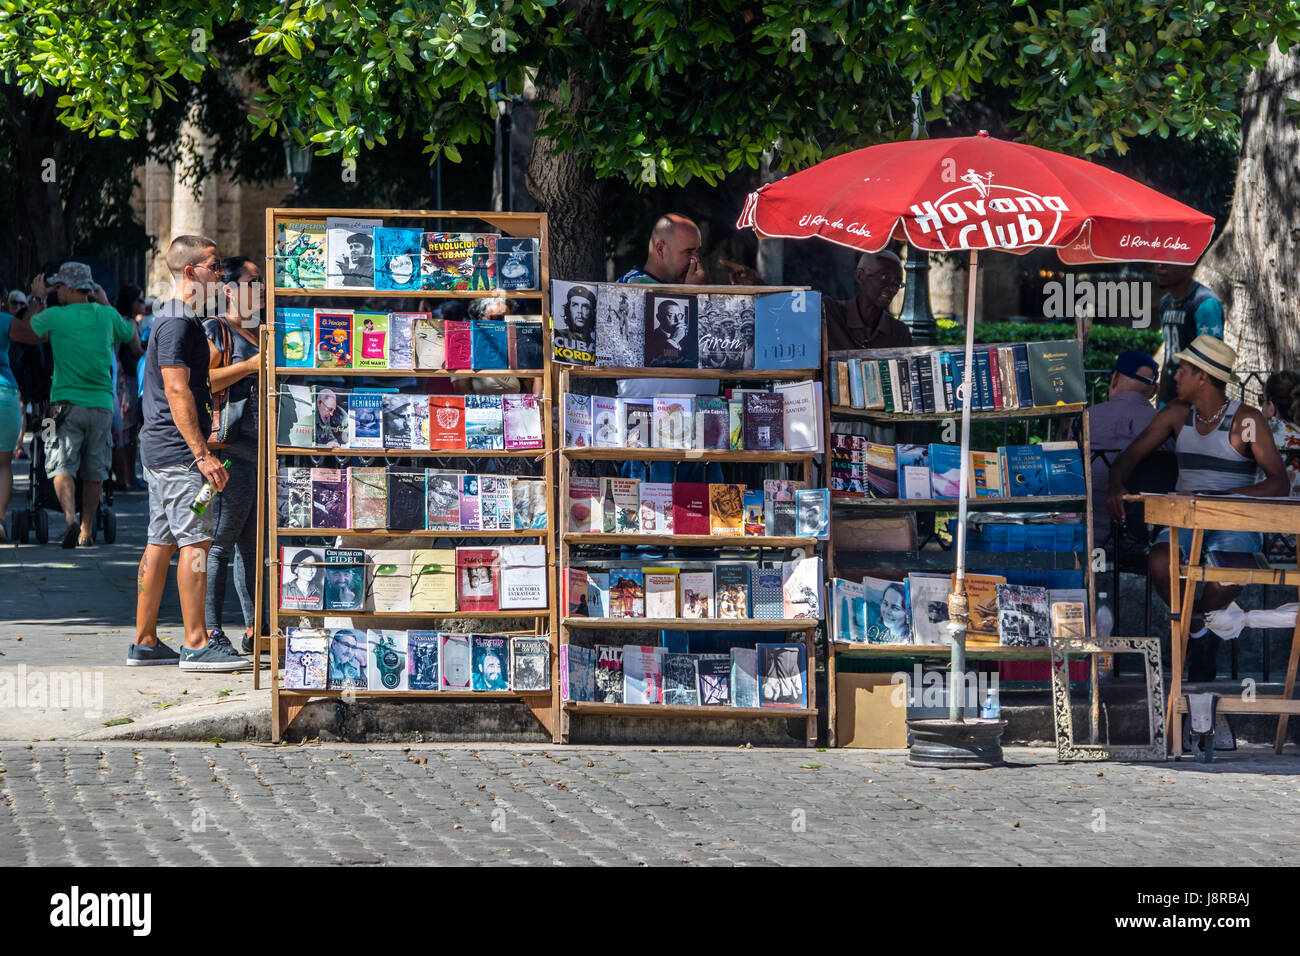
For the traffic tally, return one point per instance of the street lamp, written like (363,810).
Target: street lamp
(916,314)
(297,160)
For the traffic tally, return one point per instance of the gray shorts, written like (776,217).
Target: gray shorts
(171,489)
(80,443)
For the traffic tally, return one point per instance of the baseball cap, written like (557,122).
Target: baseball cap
(1137,364)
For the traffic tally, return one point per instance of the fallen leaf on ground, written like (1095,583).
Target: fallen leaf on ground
(118,720)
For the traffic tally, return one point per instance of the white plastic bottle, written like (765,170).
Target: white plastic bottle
(1105,620)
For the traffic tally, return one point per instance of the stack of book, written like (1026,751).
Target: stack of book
(787,590)
(408,498)
(406,581)
(347,339)
(377,419)
(924,380)
(348,658)
(915,611)
(766,675)
(786,418)
(346,253)
(865,469)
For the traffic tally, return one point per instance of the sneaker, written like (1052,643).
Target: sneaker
(247,644)
(216,655)
(138,655)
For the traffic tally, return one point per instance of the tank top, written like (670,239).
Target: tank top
(1209,462)
(7,379)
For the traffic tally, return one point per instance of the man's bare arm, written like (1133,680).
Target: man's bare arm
(176,384)
(1162,427)
(1264,450)
(20,330)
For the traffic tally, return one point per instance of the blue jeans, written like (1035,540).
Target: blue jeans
(1243,542)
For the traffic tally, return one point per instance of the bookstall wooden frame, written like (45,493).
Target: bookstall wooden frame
(569,540)
(925,560)
(286,704)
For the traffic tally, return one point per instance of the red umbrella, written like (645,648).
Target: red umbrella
(973,193)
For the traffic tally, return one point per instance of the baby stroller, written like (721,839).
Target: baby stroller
(41,499)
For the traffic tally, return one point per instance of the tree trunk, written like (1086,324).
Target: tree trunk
(1253,263)
(43,232)
(561,182)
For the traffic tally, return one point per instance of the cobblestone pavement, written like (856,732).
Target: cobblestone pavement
(153,804)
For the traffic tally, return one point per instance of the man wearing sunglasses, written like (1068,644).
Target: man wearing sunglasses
(864,322)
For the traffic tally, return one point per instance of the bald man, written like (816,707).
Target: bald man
(864,322)
(673,256)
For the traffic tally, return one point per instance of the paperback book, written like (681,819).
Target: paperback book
(345,579)
(442,500)
(726,509)
(300,253)
(455,662)
(523,577)
(604,421)
(365,420)
(1023,616)
(295,338)
(635,417)
(522,416)
(731,591)
(801,588)
(726,331)
(763,421)
(598,594)
(529,504)
(643,681)
(516,264)
(430,343)
(744,677)
(609,674)
(484,423)
(714,673)
(573,322)
(330,421)
(848,611)
(306,658)
(293,497)
(406,498)
(787,331)
(661,592)
(782,672)
(401,339)
(433,580)
(697,594)
(390,581)
(927,602)
(585,515)
(478,579)
(397,258)
(447,421)
(673,425)
(471,507)
(577,672)
(620,331)
(681,680)
(627,593)
(370,339)
(491,658)
(422,657)
(886,604)
(386,664)
(578,424)
(302,579)
(347,659)
(656,507)
(530,663)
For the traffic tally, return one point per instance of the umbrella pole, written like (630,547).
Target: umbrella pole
(958,606)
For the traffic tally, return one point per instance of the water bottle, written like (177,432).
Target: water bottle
(201,500)
(1105,620)
(992,707)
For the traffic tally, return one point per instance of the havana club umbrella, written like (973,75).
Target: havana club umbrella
(970,193)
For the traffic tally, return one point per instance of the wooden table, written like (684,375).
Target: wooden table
(1202,513)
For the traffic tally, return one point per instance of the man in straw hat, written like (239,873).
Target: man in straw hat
(1221,444)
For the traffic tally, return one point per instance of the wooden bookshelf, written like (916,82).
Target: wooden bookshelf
(765,630)
(986,652)
(287,703)
(1038,503)
(1037,411)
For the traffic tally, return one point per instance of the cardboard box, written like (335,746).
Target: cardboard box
(866,715)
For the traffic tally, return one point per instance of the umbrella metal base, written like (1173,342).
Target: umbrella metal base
(974,744)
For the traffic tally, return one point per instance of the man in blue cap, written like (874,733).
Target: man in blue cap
(1113,424)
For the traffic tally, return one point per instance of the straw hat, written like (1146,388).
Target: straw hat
(1212,356)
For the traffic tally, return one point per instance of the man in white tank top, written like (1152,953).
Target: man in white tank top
(1219,443)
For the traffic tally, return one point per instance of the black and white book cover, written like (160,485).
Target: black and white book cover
(782,675)
(302,579)
(573,322)
(530,663)
(397,422)
(671,330)
(516,263)
(681,682)
(293,498)
(386,663)
(422,657)
(609,674)
(620,325)
(1024,618)
(714,672)
(726,330)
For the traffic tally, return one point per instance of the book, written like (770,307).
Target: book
(584,505)
(844,467)
(986,473)
(787,330)
(329,498)
(673,424)
(936,383)
(712,423)
(736,423)
(1069,619)
(981,596)
(491,661)
(293,498)
(1064,467)
(422,660)
(401,339)
(886,605)
(489,347)
(725,331)
(714,673)
(397,258)
(627,593)
(690,507)
(417,416)
(442,500)
(1024,384)
(744,677)
(528,504)
(365,417)
(731,590)
(495,504)
(848,611)
(478,579)
(598,594)
(447,261)
(917,373)
(524,341)
(857,384)
(889,388)
(754,522)
(306,658)
(604,421)
(882,471)
(524,570)
(681,680)
(696,593)
(656,507)
(620,331)
(302,579)
(1056,373)
(671,330)
(767,598)
(627,505)
(949,387)
(945,470)
(370,339)
(643,681)
(433,580)
(333,339)
(447,421)
(329,419)
(295,338)
(484,423)
(386,664)
(517,265)
(579,430)
(927,602)
(1023,616)
(430,342)
(764,421)
(990,356)
(296,424)
(455,662)
(396,411)
(608,510)
(983,382)
(782,672)
(660,592)
(903,369)
(458,344)
(522,422)
(573,322)
(576,603)
(471,514)
(530,663)
(406,498)
(1007,374)
(913,462)
(389,588)
(609,674)
(1025,470)
(347,659)
(801,415)
(779,508)
(813,513)
(726,509)
(577,672)
(634,416)
(801,588)
(300,253)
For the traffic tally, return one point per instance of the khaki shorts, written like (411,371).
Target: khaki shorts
(171,522)
(81,442)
